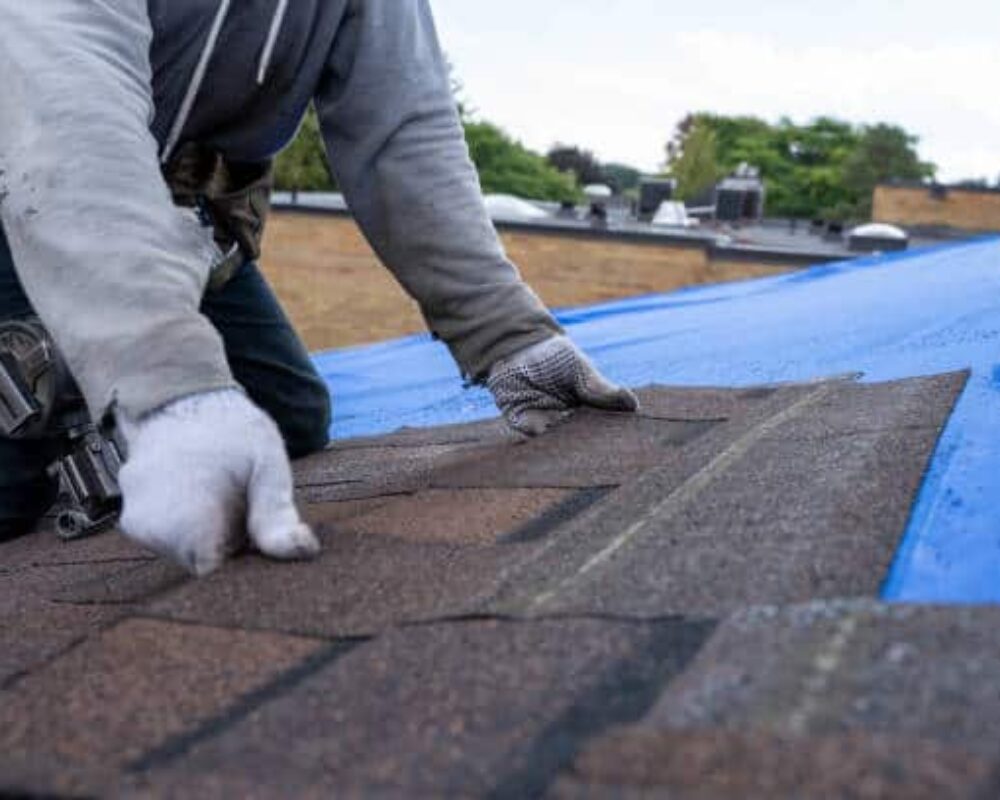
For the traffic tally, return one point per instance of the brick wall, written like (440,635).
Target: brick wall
(337,293)
(963,209)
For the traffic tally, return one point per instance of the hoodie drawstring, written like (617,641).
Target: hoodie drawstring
(196,81)
(272,40)
(177,130)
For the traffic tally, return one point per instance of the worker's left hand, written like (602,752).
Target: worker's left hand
(542,384)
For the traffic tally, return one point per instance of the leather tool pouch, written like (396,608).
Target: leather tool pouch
(234,197)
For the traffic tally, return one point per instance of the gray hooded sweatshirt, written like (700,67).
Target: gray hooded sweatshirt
(95,95)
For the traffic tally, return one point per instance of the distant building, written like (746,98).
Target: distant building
(928,207)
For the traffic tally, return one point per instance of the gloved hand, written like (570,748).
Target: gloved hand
(540,385)
(203,472)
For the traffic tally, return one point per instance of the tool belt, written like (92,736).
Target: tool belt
(40,399)
(234,198)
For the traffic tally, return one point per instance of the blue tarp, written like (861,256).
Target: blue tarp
(887,317)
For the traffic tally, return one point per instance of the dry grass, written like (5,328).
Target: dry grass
(338,294)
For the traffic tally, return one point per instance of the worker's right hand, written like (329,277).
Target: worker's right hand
(204,472)
(542,384)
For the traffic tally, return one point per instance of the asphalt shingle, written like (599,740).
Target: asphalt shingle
(507,618)
(369,472)
(919,672)
(360,585)
(850,699)
(45,549)
(463,516)
(592,449)
(33,626)
(747,514)
(107,701)
(757,765)
(461,709)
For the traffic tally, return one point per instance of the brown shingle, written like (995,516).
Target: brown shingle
(112,698)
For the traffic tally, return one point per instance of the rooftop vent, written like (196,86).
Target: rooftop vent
(877,237)
(674,214)
(598,191)
(508,207)
(600,197)
(653,192)
(740,196)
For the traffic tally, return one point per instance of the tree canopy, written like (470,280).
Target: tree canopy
(884,152)
(582,163)
(302,165)
(697,166)
(825,168)
(587,169)
(622,178)
(507,167)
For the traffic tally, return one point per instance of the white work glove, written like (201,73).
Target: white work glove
(204,472)
(542,384)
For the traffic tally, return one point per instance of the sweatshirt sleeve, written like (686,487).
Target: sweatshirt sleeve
(113,269)
(397,147)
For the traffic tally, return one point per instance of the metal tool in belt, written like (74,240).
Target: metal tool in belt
(40,400)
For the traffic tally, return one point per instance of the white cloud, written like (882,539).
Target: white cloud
(623,101)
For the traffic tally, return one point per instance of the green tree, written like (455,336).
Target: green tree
(885,152)
(623,178)
(825,168)
(582,163)
(506,166)
(694,161)
(302,166)
(813,155)
(588,169)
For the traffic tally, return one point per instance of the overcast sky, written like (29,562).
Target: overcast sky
(615,76)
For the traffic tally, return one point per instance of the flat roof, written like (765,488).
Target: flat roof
(777,241)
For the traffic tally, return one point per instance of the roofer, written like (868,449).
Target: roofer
(135,141)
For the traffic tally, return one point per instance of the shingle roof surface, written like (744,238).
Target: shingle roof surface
(677,604)
(885,318)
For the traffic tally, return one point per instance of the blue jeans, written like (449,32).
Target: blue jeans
(265,354)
